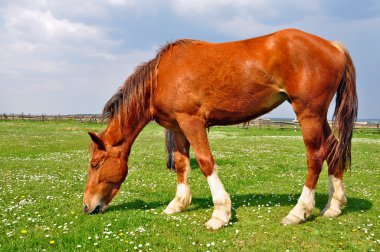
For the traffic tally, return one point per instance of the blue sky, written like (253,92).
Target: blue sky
(70,56)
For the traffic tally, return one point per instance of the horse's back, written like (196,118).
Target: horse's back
(235,81)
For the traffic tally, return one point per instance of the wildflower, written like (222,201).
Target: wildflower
(52,242)
(24,231)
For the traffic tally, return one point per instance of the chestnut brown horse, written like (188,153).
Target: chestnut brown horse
(191,85)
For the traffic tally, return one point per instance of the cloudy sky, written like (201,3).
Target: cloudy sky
(69,56)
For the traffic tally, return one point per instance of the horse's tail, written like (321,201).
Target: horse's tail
(344,117)
(169,139)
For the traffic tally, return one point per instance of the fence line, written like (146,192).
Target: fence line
(93,118)
(97,118)
(294,125)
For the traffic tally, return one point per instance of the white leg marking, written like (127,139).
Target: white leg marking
(337,198)
(182,198)
(303,208)
(181,201)
(222,203)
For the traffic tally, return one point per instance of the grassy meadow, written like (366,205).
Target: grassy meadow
(43,171)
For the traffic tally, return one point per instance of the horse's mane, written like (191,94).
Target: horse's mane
(134,93)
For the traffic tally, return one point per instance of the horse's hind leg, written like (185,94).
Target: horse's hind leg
(195,131)
(169,140)
(182,163)
(337,195)
(312,132)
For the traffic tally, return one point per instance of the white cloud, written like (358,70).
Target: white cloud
(257,8)
(245,27)
(122,2)
(46,54)
(37,41)
(241,18)
(43,25)
(24,46)
(200,7)
(79,50)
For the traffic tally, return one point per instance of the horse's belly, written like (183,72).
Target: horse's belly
(241,108)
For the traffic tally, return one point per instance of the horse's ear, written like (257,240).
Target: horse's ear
(96,139)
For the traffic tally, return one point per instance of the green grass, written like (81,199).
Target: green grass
(43,170)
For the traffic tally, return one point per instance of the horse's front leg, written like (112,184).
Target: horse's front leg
(195,131)
(182,163)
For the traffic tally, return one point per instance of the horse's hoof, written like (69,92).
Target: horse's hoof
(330,213)
(214,224)
(291,220)
(170,210)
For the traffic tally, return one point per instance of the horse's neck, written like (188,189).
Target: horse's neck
(124,130)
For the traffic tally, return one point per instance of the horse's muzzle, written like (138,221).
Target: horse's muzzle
(96,210)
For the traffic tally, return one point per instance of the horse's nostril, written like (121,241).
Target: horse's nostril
(85,207)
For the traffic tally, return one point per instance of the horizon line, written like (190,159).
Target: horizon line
(100,115)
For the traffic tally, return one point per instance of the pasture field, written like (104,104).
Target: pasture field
(43,170)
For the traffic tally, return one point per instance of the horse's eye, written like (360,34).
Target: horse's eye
(94,165)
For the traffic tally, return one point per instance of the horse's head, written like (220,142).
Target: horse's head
(107,171)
